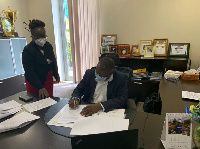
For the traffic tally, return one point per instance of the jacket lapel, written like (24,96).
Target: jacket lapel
(93,84)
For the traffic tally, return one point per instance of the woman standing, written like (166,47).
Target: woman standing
(39,62)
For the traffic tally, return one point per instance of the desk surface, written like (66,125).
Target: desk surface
(171,95)
(37,134)
(33,136)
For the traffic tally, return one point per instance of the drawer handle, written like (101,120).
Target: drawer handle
(137,82)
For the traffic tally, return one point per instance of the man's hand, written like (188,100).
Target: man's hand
(91,109)
(73,102)
(43,93)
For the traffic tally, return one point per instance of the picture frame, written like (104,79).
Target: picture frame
(104,49)
(178,50)
(160,47)
(149,51)
(6,27)
(123,50)
(142,45)
(1,28)
(110,39)
(113,48)
(135,50)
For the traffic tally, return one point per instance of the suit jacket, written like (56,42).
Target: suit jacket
(117,90)
(35,64)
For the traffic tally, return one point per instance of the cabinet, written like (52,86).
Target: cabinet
(156,64)
(10,57)
(11,69)
(143,88)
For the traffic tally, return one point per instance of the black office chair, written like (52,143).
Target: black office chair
(114,56)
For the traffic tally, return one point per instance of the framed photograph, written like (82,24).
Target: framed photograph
(178,50)
(142,45)
(149,51)
(6,27)
(1,28)
(123,50)
(109,39)
(104,49)
(160,47)
(135,50)
(113,48)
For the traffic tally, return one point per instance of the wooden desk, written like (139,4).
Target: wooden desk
(34,136)
(37,135)
(171,95)
(150,125)
(150,128)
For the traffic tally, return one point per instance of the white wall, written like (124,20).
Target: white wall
(21,7)
(28,10)
(42,10)
(135,20)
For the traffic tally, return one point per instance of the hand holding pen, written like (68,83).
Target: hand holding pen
(73,102)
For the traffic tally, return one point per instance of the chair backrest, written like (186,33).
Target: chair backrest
(114,56)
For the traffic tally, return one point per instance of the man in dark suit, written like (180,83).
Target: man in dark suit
(104,87)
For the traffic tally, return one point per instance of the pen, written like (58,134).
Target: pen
(74,102)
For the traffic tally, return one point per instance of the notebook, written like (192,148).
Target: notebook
(127,139)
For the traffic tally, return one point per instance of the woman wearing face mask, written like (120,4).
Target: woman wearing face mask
(39,62)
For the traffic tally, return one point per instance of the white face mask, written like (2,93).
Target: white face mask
(40,42)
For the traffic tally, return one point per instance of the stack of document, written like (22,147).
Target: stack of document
(38,105)
(100,122)
(9,108)
(97,125)
(20,120)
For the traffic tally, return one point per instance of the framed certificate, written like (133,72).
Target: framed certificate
(160,47)
(178,50)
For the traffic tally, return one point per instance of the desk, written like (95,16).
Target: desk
(171,95)
(150,125)
(150,128)
(35,135)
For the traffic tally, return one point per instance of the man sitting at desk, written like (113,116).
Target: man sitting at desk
(104,87)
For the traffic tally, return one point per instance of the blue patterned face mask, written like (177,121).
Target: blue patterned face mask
(99,78)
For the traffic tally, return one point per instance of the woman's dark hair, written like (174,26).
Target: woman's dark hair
(35,23)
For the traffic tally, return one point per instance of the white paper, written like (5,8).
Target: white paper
(17,121)
(9,105)
(38,105)
(10,112)
(96,125)
(117,113)
(179,50)
(178,131)
(61,118)
(160,47)
(69,115)
(191,95)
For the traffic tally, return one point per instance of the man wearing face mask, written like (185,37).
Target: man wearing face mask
(39,62)
(103,88)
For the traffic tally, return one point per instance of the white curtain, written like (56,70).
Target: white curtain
(84,16)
